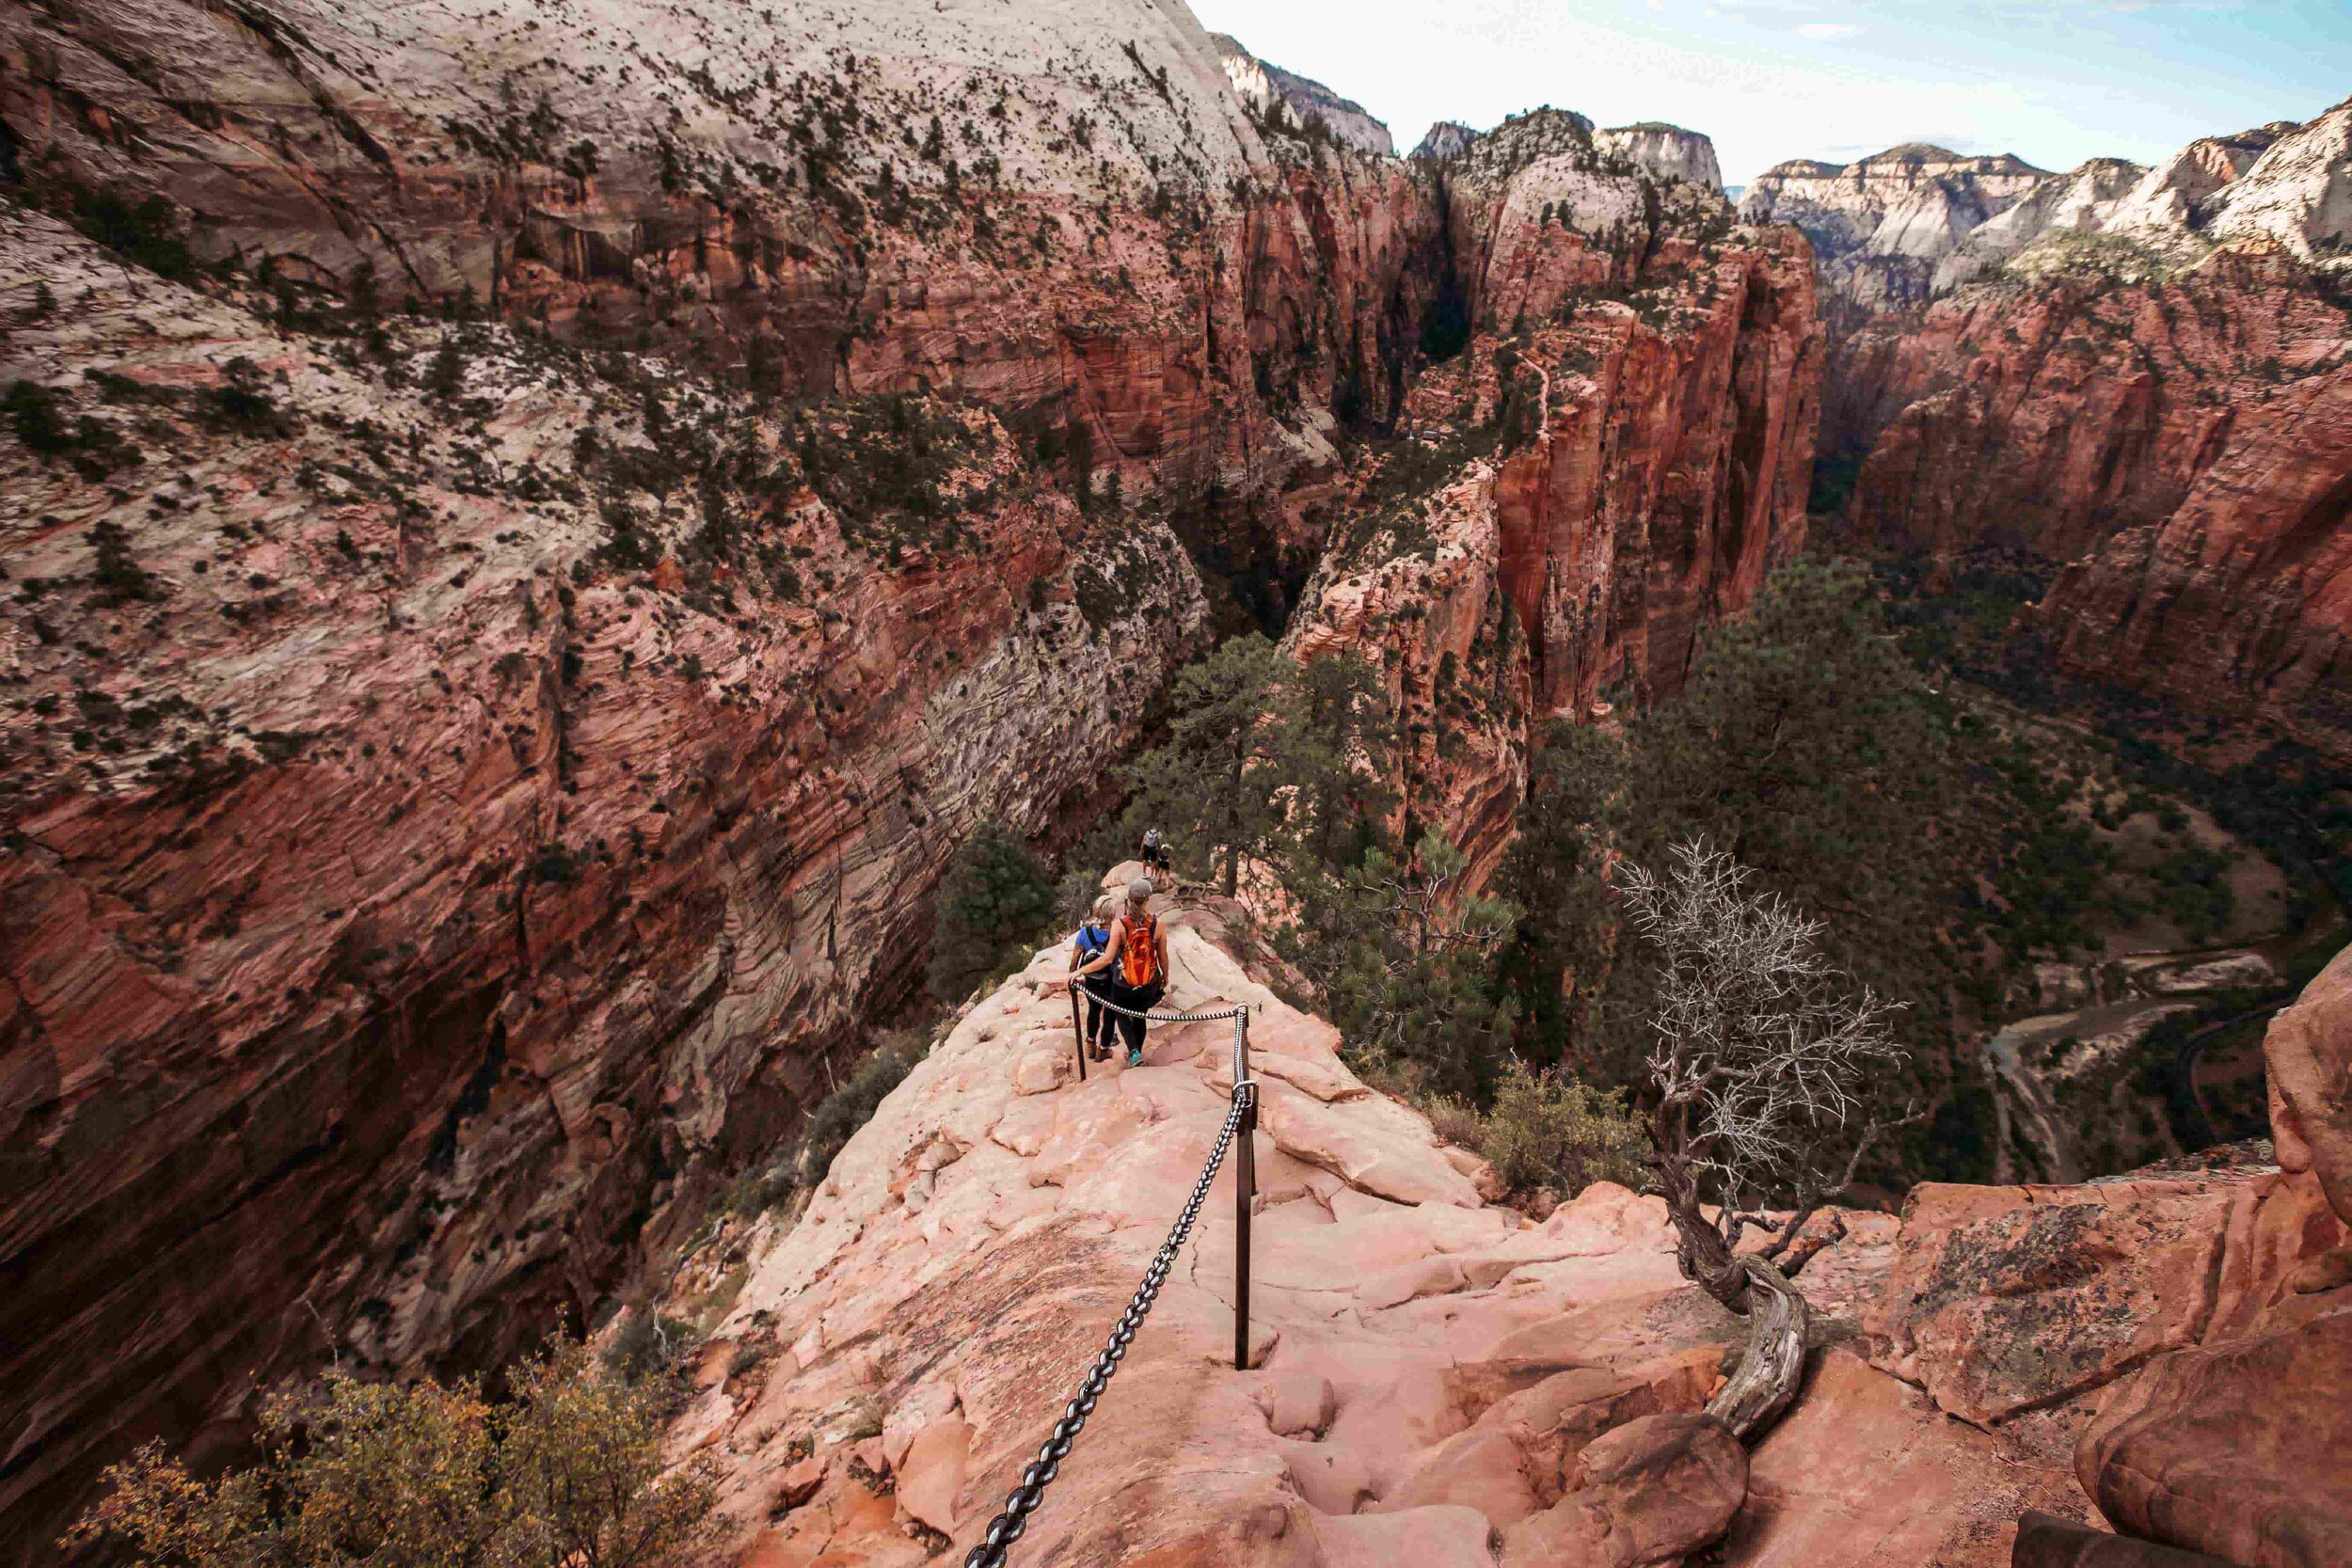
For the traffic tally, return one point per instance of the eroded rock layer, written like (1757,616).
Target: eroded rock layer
(1612,462)
(1060,208)
(2149,383)
(547,525)
(427,857)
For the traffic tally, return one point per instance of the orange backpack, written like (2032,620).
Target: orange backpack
(1139,956)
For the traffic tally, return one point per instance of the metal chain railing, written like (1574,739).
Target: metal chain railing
(1008,1524)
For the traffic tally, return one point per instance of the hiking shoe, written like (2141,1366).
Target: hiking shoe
(1134,1059)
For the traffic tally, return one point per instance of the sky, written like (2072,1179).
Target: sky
(1769,80)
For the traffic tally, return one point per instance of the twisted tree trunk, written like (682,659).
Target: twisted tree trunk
(1765,1382)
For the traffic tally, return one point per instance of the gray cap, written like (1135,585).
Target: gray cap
(1140,889)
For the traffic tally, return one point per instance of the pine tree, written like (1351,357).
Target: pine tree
(997,897)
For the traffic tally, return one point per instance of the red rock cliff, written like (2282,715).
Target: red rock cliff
(431,855)
(2185,447)
(1626,443)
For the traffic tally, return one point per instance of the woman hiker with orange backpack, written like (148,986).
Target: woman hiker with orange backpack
(1136,962)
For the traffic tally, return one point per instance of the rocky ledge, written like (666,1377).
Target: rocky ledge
(1437,1378)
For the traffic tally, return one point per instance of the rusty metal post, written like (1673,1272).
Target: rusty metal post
(1245,1186)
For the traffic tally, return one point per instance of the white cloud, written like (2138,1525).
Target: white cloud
(1827,30)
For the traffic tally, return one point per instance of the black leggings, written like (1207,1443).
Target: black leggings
(1139,998)
(1098,1018)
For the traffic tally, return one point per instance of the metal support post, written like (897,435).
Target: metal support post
(1079,1029)
(1245,1186)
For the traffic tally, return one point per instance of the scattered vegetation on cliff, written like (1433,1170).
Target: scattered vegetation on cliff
(995,904)
(566,1469)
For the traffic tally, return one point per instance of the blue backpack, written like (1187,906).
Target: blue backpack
(1092,942)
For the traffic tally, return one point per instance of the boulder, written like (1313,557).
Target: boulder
(1651,1491)
(2238,1451)
(2007,1299)
(932,1477)
(2308,1055)
(1299,1405)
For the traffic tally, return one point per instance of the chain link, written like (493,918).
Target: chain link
(1006,1527)
(1239,1011)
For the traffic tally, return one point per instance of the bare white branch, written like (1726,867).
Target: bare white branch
(1760,1052)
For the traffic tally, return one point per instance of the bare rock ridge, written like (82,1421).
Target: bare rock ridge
(468,779)
(1878,226)
(2143,377)
(1445,139)
(1637,407)
(1436,1378)
(1665,153)
(1261,85)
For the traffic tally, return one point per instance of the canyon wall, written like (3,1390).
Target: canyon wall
(467,782)
(1062,208)
(2144,380)
(1613,461)
(534,536)
(435,860)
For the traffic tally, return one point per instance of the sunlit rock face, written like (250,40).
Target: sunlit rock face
(1880,226)
(2144,378)
(1262,86)
(1627,479)
(1665,153)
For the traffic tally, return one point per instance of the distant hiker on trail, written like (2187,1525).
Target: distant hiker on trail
(1092,940)
(1135,964)
(1155,853)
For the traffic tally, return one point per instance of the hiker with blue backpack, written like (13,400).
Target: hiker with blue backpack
(1135,964)
(1092,940)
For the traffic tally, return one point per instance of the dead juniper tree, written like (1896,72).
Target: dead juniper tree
(1759,1063)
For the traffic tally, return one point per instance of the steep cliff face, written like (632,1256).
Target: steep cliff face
(1612,462)
(1665,153)
(450,809)
(1881,226)
(1262,86)
(1058,208)
(2150,388)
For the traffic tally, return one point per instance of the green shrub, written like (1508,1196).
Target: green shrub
(997,897)
(422,1476)
(1549,1130)
(145,231)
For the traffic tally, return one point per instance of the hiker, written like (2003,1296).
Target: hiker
(1093,939)
(1155,858)
(1135,964)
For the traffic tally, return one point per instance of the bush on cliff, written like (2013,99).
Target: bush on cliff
(997,899)
(568,1470)
(1260,768)
(1806,744)
(1549,1130)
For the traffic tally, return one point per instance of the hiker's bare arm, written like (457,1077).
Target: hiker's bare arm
(1109,955)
